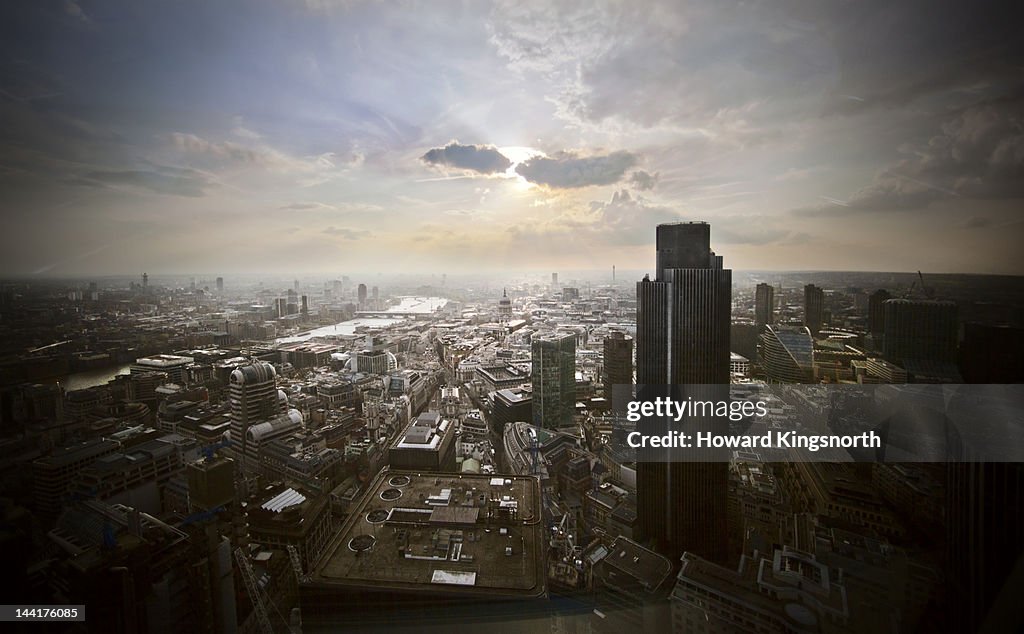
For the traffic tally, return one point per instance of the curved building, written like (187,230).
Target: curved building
(254,398)
(787,355)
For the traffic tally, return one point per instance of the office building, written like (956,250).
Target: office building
(920,330)
(511,405)
(814,308)
(53,475)
(211,483)
(631,584)
(876,312)
(174,366)
(764,305)
(787,354)
(682,338)
(426,444)
(554,380)
(789,591)
(361,294)
(618,364)
(254,399)
(280,516)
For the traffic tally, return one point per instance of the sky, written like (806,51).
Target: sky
(325,136)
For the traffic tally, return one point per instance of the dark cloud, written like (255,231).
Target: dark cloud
(347,234)
(173,181)
(978,222)
(643,181)
(977,154)
(567,170)
(483,159)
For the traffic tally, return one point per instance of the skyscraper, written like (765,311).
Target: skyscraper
(220,284)
(814,308)
(618,363)
(764,305)
(361,294)
(920,330)
(682,338)
(876,311)
(554,380)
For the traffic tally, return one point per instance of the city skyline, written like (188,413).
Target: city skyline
(341,136)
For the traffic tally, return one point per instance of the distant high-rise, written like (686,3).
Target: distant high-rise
(145,280)
(787,354)
(764,305)
(375,293)
(220,284)
(814,308)
(361,294)
(295,286)
(305,305)
(920,330)
(554,380)
(554,279)
(682,338)
(876,311)
(618,363)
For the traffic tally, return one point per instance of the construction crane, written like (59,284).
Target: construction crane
(928,292)
(253,588)
(293,554)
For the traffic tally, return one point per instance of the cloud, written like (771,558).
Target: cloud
(312,206)
(643,181)
(174,181)
(567,170)
(483,159)
(347,234)
(345,207)
(311,170)
(628,220)
(73,9)
(978,153)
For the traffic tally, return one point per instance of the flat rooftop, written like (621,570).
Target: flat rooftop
(441,533)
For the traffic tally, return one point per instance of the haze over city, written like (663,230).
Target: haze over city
(325,136)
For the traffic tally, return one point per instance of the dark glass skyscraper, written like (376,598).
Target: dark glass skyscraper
(814,308)
(554,380)
(876,311)
(764,305)
(920,330)
(683,339)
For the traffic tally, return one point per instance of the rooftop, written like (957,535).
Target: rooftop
(465,533)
